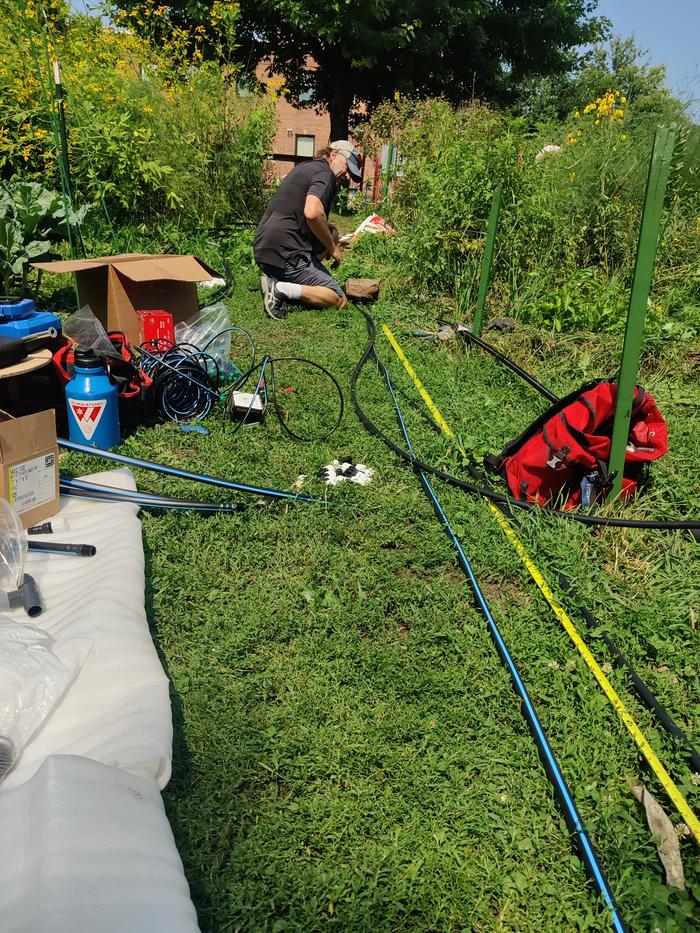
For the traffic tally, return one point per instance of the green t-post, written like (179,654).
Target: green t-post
(643,270)
(389,167)
(478,323)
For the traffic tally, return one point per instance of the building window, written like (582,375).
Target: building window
(305,147)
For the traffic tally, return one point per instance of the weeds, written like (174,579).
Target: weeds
(155,134)
(570,212)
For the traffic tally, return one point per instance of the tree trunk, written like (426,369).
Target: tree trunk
(339,104)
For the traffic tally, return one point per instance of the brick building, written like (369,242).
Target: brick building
(301,132)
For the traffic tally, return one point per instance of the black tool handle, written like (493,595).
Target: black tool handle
(56,547)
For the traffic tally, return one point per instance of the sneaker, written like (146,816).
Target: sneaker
(275,304)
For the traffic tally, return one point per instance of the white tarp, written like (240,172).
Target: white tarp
(117,710)
(88,849)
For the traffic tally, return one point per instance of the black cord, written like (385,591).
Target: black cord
(466,333)
(270,391)
(421,466)
(283,419)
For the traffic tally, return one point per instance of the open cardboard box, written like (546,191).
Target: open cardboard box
(116,287)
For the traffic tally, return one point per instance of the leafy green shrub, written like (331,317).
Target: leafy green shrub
(154,132)
(570,213)
(31,220)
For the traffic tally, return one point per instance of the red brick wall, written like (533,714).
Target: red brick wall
(294,121)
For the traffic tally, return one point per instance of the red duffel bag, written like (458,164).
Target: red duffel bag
(562,458)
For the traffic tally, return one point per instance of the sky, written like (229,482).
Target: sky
(670,31)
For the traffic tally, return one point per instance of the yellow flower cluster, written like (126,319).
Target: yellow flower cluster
(275,87)
(610,106)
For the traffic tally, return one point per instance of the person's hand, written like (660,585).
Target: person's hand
(335,256)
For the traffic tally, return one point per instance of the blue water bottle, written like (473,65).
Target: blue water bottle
(91,400)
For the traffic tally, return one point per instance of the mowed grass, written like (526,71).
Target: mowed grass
(348,750)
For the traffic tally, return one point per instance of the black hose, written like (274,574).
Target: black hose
(57,547)
(86,490)
(420,465)
(648,698)
(181,474)
(463,331)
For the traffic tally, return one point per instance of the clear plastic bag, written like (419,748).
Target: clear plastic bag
(35,672)
(201,329)
(13,548)
(84,329)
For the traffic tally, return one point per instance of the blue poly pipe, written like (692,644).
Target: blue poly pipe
(563,794)
(86,490)
(181,474)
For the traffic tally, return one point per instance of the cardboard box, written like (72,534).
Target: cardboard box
(29,465)
(116,287)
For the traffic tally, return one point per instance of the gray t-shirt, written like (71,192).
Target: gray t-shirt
(283,234)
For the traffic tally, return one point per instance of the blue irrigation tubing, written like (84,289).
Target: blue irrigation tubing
(70,486)
(182,474)
(563,794)
(157,504)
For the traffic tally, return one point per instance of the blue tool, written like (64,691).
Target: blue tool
(19,318)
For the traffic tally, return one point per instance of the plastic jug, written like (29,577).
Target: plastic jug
(91,400)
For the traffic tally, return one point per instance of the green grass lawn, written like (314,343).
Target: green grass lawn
(348,749)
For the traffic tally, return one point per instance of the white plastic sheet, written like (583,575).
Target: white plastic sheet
(117,710)
(201,329)
(35,672)
(88,849)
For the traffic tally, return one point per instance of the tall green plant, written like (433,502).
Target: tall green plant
(156,134)
(571,208)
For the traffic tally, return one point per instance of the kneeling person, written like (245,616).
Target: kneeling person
(294,233)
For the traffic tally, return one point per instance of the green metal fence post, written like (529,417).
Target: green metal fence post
(478,322)
(659,167)
(389,167)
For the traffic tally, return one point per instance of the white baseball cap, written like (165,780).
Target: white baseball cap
(345,147)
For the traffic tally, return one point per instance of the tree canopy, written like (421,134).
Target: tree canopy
(366,52)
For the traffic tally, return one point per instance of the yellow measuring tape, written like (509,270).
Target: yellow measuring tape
(656,766)
(434,411)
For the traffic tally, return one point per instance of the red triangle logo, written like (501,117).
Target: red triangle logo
(88,415)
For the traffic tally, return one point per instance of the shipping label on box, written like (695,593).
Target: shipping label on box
(32,483)
(29,465)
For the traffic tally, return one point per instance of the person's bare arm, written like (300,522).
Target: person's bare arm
(317,220)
